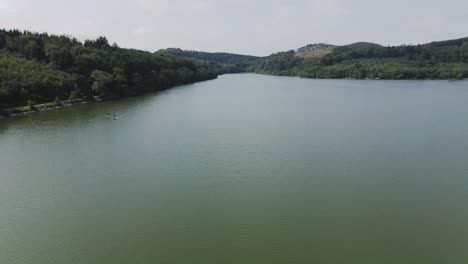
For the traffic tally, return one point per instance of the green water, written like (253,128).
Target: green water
(243,169)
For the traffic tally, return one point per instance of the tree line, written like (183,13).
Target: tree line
(38,67)
(436,60)
(230,63)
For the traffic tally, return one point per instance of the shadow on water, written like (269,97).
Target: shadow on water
(85,112)
(3,126)
(77,113)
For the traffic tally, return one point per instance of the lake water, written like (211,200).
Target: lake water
(243,169)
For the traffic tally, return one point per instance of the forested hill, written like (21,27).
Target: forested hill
(36,68)
(231,63)
(362,60)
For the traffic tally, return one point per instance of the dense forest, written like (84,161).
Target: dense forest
(436,60)
(37,68)
(230,63)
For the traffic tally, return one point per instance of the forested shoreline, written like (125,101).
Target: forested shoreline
(38,68)
(230,63)
(436,60)
(362,60)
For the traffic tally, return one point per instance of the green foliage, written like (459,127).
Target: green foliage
(44,68)
(22,80)
(102,82)
(229,63)
(437,60)
(31,105)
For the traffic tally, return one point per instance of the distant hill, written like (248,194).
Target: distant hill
(315,47)
(231,63)
(446,43)
(363,60)
(42,68)
(315,50)
(361,45)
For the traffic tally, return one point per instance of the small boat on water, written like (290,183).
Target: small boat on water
(113,116)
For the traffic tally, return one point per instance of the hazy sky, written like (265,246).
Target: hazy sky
(257,27)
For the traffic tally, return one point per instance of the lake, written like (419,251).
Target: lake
(243,169)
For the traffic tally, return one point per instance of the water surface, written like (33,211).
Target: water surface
(243,169)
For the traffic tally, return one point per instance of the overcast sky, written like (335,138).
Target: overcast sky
(257,27)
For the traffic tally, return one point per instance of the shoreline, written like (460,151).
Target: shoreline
(26,110)
(363,79)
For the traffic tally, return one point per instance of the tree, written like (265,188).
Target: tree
(102,82)
(99,43)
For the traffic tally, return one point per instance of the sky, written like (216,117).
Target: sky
(255,27)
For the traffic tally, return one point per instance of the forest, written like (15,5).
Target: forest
(38,67)
(230,63)
(436,60)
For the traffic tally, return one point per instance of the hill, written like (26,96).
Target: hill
(363,45)
(315,50)
(436,60)
(447,43)
(230,63)
(38,67)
